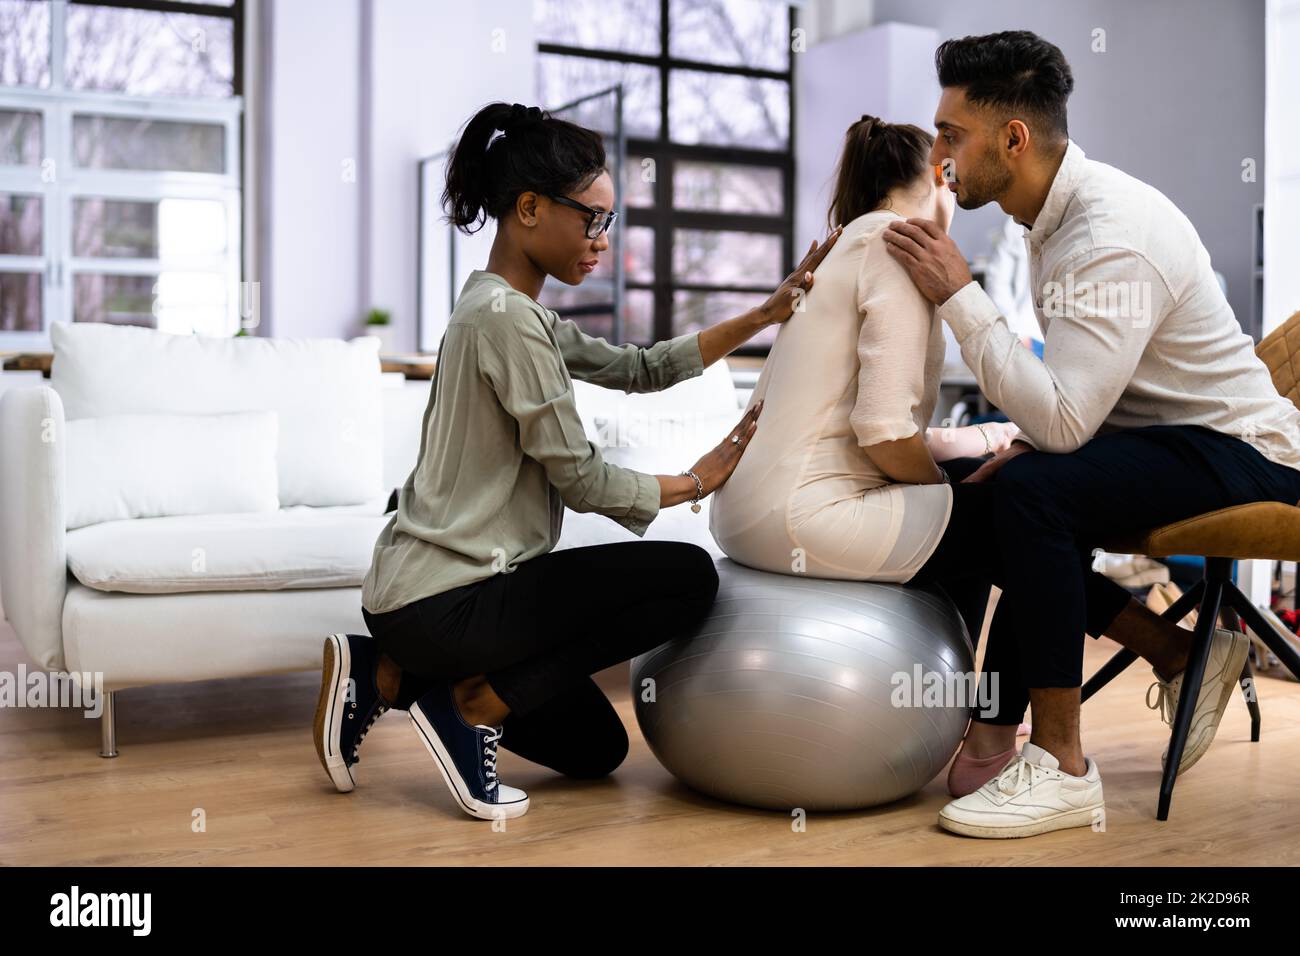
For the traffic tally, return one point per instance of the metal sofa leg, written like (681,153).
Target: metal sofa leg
(108,727)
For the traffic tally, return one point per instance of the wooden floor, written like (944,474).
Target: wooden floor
(241,752)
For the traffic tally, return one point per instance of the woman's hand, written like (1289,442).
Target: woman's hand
(716,467)
(999,434)
(790,293)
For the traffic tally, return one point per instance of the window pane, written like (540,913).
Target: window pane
(693,311)
(20,225)
(179,302)
(639,316)
(639,174)
(117,142)
(751,33)
(24,43)
(629,26)
(146,53)
(20,301)
(562,79)
(727,258)
(639,254)
(20,138)
(162,229)
(722,188)
(726,110)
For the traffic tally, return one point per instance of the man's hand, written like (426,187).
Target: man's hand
(930,257)
(986,471)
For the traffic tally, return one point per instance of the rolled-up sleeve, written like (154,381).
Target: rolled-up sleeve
(525,371)
(629,368)
(892,342)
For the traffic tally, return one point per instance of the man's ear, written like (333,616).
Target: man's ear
(1016,136)
(526,209)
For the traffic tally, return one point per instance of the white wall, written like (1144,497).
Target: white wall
(1282,165)
(358,92)
(312,248)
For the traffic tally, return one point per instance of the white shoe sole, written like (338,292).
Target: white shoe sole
(447,767)
(330,708)
(1082,817)
(1202,732)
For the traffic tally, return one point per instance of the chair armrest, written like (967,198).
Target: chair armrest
(33,522)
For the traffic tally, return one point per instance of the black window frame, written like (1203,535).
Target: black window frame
(662,216)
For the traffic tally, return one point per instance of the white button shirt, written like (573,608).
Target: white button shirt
(1135,327)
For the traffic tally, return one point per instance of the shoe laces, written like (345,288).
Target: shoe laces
(490,752)
(1015,775)
(1166,699)
(378,712)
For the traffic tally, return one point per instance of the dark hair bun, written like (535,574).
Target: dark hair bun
(519,117)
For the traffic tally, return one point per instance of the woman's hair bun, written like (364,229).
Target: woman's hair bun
(519,117)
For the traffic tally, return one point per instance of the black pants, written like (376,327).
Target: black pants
(1031,531)
(539,632)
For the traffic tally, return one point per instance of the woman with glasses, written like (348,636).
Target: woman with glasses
(481,631)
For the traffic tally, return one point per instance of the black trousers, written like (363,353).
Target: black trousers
(1032,530)
(539,632)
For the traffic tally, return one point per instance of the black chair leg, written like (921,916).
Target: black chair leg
(1115,666)
(1232,620)
(1266,632)
(1216,576)
(1252,700)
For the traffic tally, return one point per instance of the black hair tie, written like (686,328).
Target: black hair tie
(519,117)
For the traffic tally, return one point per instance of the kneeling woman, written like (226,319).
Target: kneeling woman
(482,632)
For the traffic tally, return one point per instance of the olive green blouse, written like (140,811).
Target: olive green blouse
(503,450)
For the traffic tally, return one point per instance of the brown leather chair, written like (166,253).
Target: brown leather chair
(1265,530)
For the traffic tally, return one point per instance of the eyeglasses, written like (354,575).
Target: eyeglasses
(600,220)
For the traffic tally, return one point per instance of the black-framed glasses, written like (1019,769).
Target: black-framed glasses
(600,220)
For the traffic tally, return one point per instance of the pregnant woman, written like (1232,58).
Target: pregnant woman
(844,479)
(480,631)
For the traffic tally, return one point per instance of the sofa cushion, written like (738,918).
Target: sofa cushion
(290,548)
(325,391)
(151,466)
(611,417)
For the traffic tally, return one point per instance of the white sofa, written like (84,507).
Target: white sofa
(178,508)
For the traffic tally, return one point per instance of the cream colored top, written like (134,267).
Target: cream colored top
(860,365)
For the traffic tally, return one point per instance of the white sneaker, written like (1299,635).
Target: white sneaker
(1030,796)
(1228,651)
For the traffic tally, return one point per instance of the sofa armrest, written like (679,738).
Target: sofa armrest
(33,522)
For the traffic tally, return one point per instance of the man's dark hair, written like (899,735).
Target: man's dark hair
(1017,74)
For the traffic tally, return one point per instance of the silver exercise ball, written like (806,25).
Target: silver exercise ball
(786,696)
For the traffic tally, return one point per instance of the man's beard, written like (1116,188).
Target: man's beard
(985,183)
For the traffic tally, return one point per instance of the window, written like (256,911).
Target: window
(708,182)
(119,166)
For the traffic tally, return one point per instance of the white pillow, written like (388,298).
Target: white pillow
(326,391)
(658,419)
(151,466)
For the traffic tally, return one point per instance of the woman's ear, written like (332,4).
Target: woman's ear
(526,209)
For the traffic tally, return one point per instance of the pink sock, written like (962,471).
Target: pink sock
(968,774)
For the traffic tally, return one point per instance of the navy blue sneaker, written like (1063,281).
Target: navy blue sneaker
(467,756)
(349,704)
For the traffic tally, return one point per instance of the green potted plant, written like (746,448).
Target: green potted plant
(379,323)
